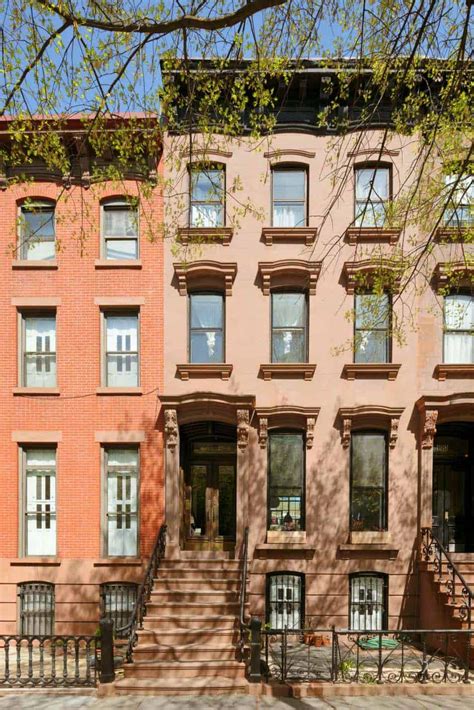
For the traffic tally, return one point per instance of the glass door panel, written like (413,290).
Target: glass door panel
(225,500)
(199,500)
(449,505)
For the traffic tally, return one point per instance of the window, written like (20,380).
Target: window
(372,328)
(37,231)
(285,600)
(368,481)
(40,507)
(121,367)
(289,326)
(117,604)
(286,466)
(289,197)
(36,608)
(459,329)
(122,502)
(206,336)
(460,210)
(120,230)
(368,602)
(207,197)
(372,192)
(39,351)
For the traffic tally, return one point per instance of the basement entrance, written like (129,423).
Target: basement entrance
(208,461)
(453,486)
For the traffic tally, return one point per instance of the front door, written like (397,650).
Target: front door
(211,505)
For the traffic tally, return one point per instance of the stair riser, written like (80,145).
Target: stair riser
(193,597)
(201,563)
(209,609)
(196,585)
(175,672)
(198,654)
(159,624)
(206,638)
(198,574)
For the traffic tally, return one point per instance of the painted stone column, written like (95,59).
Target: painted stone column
(243,427)
(172,492)
(428,432)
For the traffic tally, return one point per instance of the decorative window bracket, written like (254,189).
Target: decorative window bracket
(286,417)
(367,416)
(289,273)
(205,274)
(360,274)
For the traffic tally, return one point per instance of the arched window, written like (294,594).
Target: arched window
(119,229)
(117,602)
(37,230)
(285,600)
(36,608)
(368,601)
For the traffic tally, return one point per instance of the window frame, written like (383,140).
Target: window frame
(43,204)
(23,500)
(302,603)
(103,588)
(454,222)
(212,166)
(217,330)
(447,331)
(385,491)
(291,167)
(305,327)
(118,202)
(117,312)
(21,591)
(300,432)
(105,498)
(385,582)
(23,315)
(372,165)
(388,329)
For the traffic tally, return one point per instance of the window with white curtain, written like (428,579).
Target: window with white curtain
(40,501)
(372,192)
(207,197)
(368,602)
(289,327)
(37,231)
(121,366)
(460,209)
(122,501)
(459,329)
(120,229)
(206,319)
(39,350)
(289,187)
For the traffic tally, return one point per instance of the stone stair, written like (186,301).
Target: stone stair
(189,643)
(452,606)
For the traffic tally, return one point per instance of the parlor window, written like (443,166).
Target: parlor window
(117,602)
(368,481)
(36,608)
(122,501)
(289,327)
(121,356)
(285,600)
(39,501)
(286,481)
(38,350)
(460,209)
(459,329)
(206,327)
(207,207)
(372,193)
(372,328)
(37,231)
(289,201)
(368,602)
(119,229)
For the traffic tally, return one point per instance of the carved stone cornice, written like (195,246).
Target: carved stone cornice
(243,419)
(289,272)
(388,370)
(369,415)
(171,428)
(289,235)
(457,273)
(205,274)
(205,235)
(285,416)
(371,235)
(208,369)
(362,273)
(271,370)
(285,152)
(451,235)
(202,406)
(441,372)
(437,409)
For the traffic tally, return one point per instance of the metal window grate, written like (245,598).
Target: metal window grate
(368,602)
(285,601)
(36,608)
(117,603)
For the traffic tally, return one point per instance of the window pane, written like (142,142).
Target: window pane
(207,215)
(122,333)
(41,457)
(40,512)
(289,185)
(122,346)
(289,215)
(207,185)
(40,334)
(37,233)
(288,346)
(368,459)
(458,348)
(372,311)
(120,222)
(39,250)
(121,249)
(207,310)
(371,346)
(122,370)
(372,184)
(122,457)
(370,214)
(122,518)
(40,352)
(459,312)
(288,310)
(207,346)
(286,481)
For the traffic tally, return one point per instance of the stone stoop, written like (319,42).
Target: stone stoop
(189,643)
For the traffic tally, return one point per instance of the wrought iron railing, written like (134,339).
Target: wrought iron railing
(143,596)
(344,656)
(450,578)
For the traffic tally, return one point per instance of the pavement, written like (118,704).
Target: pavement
(32,701)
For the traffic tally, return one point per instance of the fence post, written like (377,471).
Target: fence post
(107,673)
(255,641)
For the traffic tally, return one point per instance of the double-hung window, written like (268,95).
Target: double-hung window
(289,327)
(285,600)
(39,350)
(289,188)
(37,231)
(207,206)
(460,209)
(117,604)
(372,328)
(372,193)
(206,319)
(119,230)
(121,357)
(459,329)
(36,608)
(368,602)
(286,481)
(39,466)
(122,501)
(368,481)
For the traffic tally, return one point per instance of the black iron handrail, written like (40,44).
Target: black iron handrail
(243,581)
(143,595)
(432,550)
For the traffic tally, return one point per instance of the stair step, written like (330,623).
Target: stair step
(184,669)
(213,636)
(157,608)
(178,621)
(192,596)
(189,652)
(170,686)
(194,584)
(201,563)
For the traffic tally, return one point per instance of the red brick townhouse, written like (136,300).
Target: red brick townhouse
(82,310)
